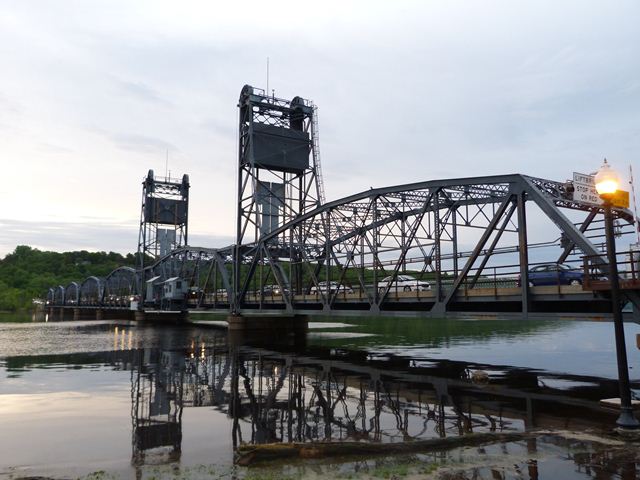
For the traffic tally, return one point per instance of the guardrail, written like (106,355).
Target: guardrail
(628,264)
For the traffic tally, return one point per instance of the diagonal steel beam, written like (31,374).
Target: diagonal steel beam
(492,247)
(409,239)
(442,306)
(219,261)
(281,280)
(583,228)
(575,235)
(206,282)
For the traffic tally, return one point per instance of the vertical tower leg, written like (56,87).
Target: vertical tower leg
(523,251)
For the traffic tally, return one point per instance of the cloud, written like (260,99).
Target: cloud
(219,127)
(143,92)
(93,234)
(408,92)
(54,149)
(63,236)
(142,143)
(9,105)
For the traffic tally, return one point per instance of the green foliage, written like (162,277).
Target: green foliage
(391,471)
(27,273)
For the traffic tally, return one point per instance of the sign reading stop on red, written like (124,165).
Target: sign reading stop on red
(584,191)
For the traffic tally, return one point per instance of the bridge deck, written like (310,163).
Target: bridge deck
(545,300)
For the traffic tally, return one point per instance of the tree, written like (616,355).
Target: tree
(27,273)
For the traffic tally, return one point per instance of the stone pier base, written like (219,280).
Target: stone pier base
(106,314)
(267,330)
(286,323)
(160,316)
(83,314)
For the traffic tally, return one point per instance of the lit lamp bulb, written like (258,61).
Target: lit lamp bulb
(607,180)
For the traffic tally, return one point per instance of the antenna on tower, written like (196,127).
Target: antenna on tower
(267,75)
(166,164)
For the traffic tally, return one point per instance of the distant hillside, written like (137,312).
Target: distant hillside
(27,273)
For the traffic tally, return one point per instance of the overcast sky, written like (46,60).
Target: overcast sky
(93,93)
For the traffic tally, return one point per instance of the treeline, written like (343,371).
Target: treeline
(27,273)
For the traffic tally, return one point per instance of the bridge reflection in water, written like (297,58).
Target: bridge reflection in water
(277,394)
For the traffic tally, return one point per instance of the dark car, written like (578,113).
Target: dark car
(553,274)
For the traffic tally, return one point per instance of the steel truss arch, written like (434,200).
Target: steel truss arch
(355,242)
(207,272)
(91,292)
(58,295)
(51,296)
(119,286)
(72,294)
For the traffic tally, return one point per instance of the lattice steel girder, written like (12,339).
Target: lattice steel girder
(58,295)
(72,294)
(196,266)
(373,233)
(380,221)
(492,190)
(91,291)
(122,282)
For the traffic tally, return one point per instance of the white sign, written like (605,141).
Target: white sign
(585,189)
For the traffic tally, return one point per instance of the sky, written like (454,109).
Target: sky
(95,93)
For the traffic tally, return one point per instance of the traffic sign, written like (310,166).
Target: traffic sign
(620,199)
(584,189)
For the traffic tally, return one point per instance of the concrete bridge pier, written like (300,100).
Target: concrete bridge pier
(60,314)
(80,313)
(110,314)
(280,323)
(267,330)
(160,316)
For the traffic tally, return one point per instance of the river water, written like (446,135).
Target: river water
(115,399)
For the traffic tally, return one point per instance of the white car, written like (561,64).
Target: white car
(403,283)
(333,287)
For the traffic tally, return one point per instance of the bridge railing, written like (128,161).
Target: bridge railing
(502,280)
(628,263)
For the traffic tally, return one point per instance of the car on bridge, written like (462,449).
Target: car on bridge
(553,274)
(272,290)
(333,288)
(404,283)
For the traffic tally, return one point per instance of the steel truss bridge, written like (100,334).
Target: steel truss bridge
(469,243)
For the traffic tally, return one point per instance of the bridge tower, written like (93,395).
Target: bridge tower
(278,168)
(163,218)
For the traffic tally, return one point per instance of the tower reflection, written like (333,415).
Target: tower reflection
(157,401)
(278,393)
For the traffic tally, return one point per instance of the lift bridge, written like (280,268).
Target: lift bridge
(503,245)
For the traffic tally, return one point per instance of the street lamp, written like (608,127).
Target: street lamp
(607,184)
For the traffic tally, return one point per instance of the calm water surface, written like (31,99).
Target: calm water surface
(80,397)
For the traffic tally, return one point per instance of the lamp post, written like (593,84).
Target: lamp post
(607,183)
